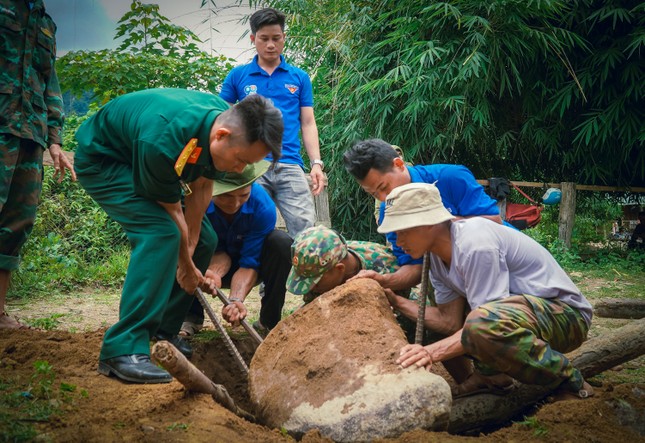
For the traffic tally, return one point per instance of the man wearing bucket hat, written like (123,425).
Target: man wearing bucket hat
(322,260)
(249,250)
(525,311)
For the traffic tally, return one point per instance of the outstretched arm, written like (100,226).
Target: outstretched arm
(445,318)
(404,278)
(424,356)
(188,276)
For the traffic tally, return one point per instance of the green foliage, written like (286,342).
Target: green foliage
(145,30)
(178,427)
(109,74)
(591,252)
(539,430)
(154,53)
(73,241)
(21,406)
(537,90)
(47,323)
(42,379)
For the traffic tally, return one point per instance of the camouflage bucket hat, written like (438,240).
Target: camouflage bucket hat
(314,251)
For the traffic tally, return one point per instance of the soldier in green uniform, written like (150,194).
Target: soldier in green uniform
(31,118)
(140,157)
(322,260)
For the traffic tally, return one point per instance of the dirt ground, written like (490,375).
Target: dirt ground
(110,410)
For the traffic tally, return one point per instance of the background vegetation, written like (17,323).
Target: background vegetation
(529,90)
(543,91)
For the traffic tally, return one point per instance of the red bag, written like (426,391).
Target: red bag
(523,216)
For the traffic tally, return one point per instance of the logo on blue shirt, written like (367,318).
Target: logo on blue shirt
(292,88)
(250,89)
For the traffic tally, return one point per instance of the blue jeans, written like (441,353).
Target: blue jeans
(288,187)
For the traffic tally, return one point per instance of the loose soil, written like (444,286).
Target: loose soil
(115,411)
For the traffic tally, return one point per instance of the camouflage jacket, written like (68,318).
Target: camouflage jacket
(31,105)
(374,256)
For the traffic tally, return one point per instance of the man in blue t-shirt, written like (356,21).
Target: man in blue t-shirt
(379,169)
(249,250)
(289,88)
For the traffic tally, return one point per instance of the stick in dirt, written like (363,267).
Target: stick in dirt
(426,287)
(220,327)
(252,332)
(193,379)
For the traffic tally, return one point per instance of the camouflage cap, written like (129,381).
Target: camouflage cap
(314,251)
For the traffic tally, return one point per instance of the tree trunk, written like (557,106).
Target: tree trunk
(567,213)
(620,308)
(472,414)
(192,378)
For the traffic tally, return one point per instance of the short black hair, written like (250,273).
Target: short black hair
(266,17)
(257,119)
(369,154)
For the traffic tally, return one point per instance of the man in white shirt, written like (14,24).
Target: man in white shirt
(525,311)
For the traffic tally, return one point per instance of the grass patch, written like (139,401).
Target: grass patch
(37,401)
(539,429)
(46,323)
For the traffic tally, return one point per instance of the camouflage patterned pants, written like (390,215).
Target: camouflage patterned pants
(525,337)
(20,184)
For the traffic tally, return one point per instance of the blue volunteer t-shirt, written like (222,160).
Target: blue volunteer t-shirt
(243,238)
(460,194)
(289,88)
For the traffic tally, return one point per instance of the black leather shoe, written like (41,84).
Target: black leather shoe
(136,368)
(182,345)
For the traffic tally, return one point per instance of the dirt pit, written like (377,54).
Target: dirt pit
(102,409)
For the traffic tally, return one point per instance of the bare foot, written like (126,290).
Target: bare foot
(7,322)
(563,393)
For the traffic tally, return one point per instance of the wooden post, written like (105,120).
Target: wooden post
(321,202)
(321,206)
(567,213)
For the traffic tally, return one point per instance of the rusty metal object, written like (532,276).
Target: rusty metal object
(427,292)
(252,332)
(227,339)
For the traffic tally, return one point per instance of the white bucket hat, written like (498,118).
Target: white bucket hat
(412,205)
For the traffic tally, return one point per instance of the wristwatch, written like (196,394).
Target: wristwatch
(318,162)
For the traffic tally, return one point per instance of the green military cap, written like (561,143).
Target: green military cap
(314,251)
(232,181)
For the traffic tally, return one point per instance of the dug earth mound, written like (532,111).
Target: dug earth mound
(90,407)
(331,366)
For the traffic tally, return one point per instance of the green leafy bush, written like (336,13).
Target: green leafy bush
(73,242)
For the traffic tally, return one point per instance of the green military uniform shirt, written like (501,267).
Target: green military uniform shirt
(149,130)
(31,106)
(373,256)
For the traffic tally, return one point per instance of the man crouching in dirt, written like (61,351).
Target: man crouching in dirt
(138,158)
(525,312)
(249,250)
(322,260)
